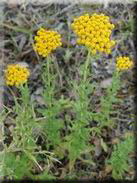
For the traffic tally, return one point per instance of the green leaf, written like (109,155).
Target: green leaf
(104,145)
(119,157)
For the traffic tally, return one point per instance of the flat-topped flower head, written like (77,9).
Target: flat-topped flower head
(46,41)
(123,63)
(94,31)
(16,75)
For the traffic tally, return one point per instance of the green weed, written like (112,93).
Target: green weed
(120,157)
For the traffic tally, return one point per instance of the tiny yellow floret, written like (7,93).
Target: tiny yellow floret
(94,31)
(15,74)
(46,41)
(123,63)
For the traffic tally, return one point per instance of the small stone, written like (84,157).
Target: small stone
(106,82)
(23,64)
(39,91)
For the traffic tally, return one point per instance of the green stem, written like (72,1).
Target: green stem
(49,81)
(48,60)
(86,66)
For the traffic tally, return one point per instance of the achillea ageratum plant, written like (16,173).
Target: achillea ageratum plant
(46,41)
(94,32)
(16,74)
(123,63)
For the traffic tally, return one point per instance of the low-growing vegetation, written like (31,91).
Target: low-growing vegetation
(67,76)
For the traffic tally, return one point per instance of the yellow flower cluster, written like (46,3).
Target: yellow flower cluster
(94,31)
(123,63)
(16,74)
(46,41)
